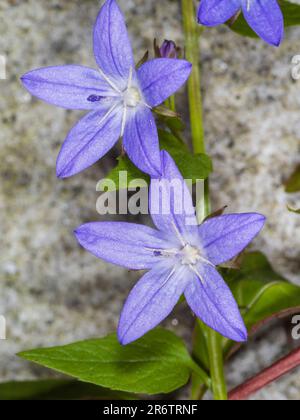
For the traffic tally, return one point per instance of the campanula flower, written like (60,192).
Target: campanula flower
(180,256)
(118,96)
(264,16)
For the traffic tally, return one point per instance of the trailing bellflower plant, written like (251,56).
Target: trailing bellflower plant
(192,256)
(119,98)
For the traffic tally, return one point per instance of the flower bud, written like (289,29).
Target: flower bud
(169,49)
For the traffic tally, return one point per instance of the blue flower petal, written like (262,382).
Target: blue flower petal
(162,77)
(265,18)
(67,86)
(151,301)
(125,244)
(171,204)
(215,12)
(226,236)
(212,301)
(112,48)
(89,140)
(141,140)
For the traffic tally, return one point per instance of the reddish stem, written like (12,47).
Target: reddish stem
(267,376)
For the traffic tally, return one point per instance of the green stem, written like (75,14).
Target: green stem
(192,50)
(191,30)
(216,363)
(172,103)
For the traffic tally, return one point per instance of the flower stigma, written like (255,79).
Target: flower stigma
(190,255)
(132,97)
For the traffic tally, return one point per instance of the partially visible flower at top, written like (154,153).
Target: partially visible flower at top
(182,259)
(169,49)
(119,97)
(264,16)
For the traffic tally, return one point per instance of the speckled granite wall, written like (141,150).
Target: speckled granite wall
(52,292)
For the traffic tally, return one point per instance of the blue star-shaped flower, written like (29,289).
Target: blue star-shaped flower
(181,258)
(119,97)
(264,16)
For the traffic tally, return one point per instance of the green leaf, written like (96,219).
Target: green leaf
(292,185)
(57,389)
(291,14)
(260,292)
(157,363)
(125,175)
(193,167)
(30,389)
(241,27)
(297,211)
(176,125)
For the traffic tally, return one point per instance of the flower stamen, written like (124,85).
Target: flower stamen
(124,118)
(194,269)
(110,111)
(178,234)
(110,82)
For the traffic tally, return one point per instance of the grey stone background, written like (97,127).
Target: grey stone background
(51,291)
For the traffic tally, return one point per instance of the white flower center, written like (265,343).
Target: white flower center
(190,255)
(132,97)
